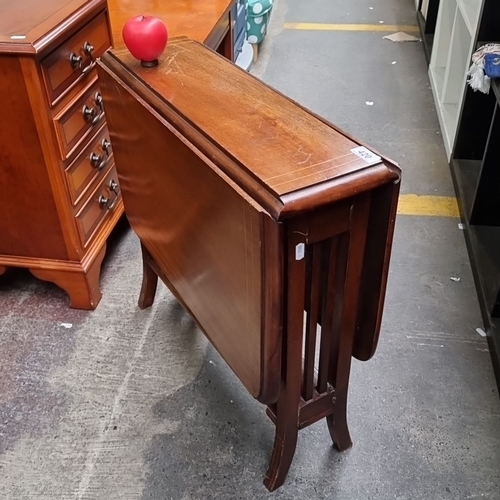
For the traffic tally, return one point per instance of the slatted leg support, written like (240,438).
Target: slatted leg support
(149,281)
(324,280)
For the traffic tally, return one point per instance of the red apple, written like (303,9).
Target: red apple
(145,38)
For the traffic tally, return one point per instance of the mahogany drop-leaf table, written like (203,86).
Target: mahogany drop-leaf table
(271,226)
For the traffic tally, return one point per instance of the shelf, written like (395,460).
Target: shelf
(437,81)
(425,8)
(466,176)
(451,52)
(444,28)
(480,44)
(483,243)
(495,85)
(450,121)
(470,10)
(447,112)
(427,38)
(427,11)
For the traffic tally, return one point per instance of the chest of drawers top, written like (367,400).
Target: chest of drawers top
(34,26)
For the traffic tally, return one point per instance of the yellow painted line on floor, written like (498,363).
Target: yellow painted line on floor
(351,27)
(430,206)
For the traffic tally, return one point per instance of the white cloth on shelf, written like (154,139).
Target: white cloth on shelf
(478,80)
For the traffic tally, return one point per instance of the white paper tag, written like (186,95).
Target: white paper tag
(366,154)
(300,251)
(18,37)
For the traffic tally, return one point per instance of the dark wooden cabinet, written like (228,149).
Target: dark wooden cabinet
(59,193)
(257,214)
(476,175)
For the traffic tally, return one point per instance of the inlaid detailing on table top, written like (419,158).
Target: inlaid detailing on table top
(305,157)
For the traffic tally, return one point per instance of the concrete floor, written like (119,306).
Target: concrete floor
(127,404)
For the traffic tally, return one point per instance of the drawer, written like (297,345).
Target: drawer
(75,58)
(100,205)
(81,118)
(91,164)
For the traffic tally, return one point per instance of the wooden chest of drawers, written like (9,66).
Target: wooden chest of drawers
(59,196)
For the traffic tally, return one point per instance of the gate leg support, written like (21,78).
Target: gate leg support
(285,443)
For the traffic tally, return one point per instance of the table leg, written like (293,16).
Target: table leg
(287,409)
(350,254)
(149,281)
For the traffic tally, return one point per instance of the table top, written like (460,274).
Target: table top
(278,144)
(30,25)
(20,32)
(192,18)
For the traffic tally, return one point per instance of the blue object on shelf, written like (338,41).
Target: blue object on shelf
(492,65)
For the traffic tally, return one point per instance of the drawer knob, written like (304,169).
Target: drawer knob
(98,99)
(98,161)
(94,115)
(75,61)
(89,114)
(88,49)
(106,146)
(106,202)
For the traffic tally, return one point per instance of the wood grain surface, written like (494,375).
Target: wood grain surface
(282,146)
(203,231)
(32,26)
(198,19)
